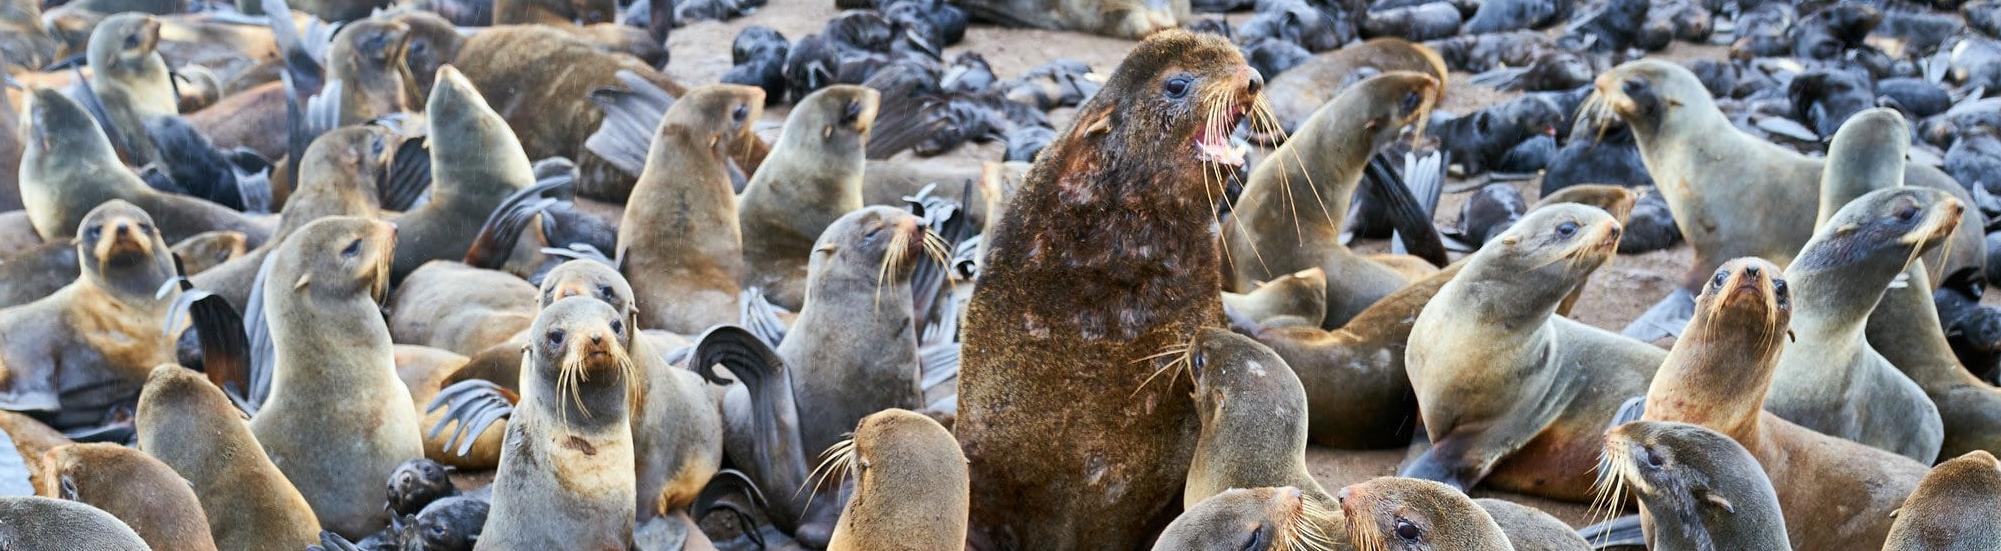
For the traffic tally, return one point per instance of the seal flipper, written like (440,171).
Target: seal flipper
(903,119)
(474,405)
(1619,533)
(225,349)
(631,118)
(760,317)
(263,350)
(776,448)
(409,175)
(304,80)
(330,541)
(1666,318)
(194,164)
(1448,461)
(503,227)
(946,218)
(1409,213)
(717,494)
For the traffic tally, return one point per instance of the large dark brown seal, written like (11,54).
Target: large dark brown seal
(1299,92)
(1953,508)
(476,162)
(1104,259)
(1697,488)
(566,472)
(679,241)
(1291,214)
(144,493)
(910,486)
(1834,493)
(812,177)
(1128,19)
(188,423)
(1510,393)
(335,372)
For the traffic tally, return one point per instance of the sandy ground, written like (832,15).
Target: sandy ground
(1617,294)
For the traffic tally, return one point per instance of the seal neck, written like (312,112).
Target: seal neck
(1718,373)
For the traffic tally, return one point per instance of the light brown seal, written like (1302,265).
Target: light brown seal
(1261,519)
(476,162)
(1300,92)
(1294,299)
(1953,508)
(142,492)
(1412,514)
(812,177)
(911,491)
(188,423)
(132,81)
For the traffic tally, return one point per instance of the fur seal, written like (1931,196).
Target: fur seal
(1299,298)
(1495,321)
(1697,156)
(911,491)
(1071,303)
(1257,518)
(476,162)
(1276,229)
(1953,507)
(334,374)
(78,356)
(1834,493)
(1697,488)
(459,308)
(1128,19)
(34,522)
(1530,529)
(142,492)
(1833,381)
(565,478)
(1407,513)
(209,249)
(35,273)
(1300,92)
(69,168)
(24,44)
(1253,415)
(132,81)
(188,423)
(812,177)
(680,226)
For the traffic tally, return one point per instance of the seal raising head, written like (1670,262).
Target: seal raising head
(1408,514)
(1698,488)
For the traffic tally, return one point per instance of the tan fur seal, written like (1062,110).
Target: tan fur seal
(1530,529)
(680,228)
(476,162)
(1128,19)
(335,373)
(1832,381)
(78,354)
(1697,488)
(1412,514)
(368,58)
(70,168)
(1073,301)
(1868,154)
(1291,214)
(459,308)
(1732,194)
(144,493)
(813,176)
(1300,92)
(188,423)
(565,477)
(24,44)
(132,81)
(34,522)
(1835,494)
(1253,415)
(555,13)
(1261,519)
(1954,508)
(1299,298)
(910,486)
(1510,393)
(209,249)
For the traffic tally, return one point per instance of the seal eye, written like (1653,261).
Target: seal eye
(94,233)
(1721,276)
(1779,288)
(617,327)
(1177,86)
(1633,87)
(1256,539)
(145,229)
(1654,458)
(131,41)
(1907,213)
(1410,102)
(1408,531)
(555,337)
(1566,229)
(1197,360)
(742,112)
(353,248)
(605,291)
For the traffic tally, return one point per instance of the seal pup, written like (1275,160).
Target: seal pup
(911,491)
(35,522)
(812,177)
(1298,298)
(680,226)
(1072,303)
(1253,415)
(1412,514)
(1255,518)
(140,491)
(1834,493)
(334,374)
(1291,214)
(476,162)
(1834,382)
(208,250)
(79,355)
(1127,19)
(70,168)
(1952,509)
(565,478)
(1301,91)
(132,82)
(1697,156)
(1697,488)
(187,423)
(1495,321)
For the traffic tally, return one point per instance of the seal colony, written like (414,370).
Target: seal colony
(456,274)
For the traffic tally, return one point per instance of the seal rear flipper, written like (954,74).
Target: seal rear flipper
(903,120)
(472,404)
(760,317)
(1504,78)
(776,446)
(1666,318)
(1448,462)
(631,118)
(193,163)
(1619,533)
(1404,201)
(304,78)
(497,238)
(263,350)
(409,175)
(947,219)
(723,493)
(225,349)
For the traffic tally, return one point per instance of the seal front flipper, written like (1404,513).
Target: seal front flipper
(760,318)
(409,175)
(263,350)
(780,461)
(1619,533)
(503,227)
(225,349)
(1666,318)
(1448,461)
(305,79)
(474,404)
(1409,212)
(631,117)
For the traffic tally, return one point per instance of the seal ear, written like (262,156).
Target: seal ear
(302,282)
(1723,502)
